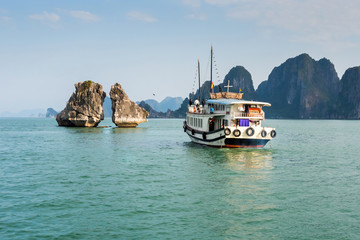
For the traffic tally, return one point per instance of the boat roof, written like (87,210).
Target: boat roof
(225,101)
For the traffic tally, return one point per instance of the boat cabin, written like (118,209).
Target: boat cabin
(220,113)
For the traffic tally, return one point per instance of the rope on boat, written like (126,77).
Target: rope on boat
(193,88)
(217,75)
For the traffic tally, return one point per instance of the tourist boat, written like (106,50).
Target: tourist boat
(226,120)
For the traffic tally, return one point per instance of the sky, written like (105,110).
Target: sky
(151,47)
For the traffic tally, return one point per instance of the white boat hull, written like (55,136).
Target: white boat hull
(218,138)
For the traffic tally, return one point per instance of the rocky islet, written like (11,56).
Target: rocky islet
(126,113)
(85,107)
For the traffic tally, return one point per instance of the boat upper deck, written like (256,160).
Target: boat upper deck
(234,108)
(236,101)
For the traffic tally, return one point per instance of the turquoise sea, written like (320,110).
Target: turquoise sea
(153,183)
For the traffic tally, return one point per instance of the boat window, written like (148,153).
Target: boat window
(227,110)
(225,123)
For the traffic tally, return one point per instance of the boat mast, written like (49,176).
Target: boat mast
(211,81)
(199,80)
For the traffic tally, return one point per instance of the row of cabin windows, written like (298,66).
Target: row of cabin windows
(195,122)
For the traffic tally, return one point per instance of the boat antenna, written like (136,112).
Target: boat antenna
(199,79)
(211,64)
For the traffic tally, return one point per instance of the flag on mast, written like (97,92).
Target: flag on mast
(212,85)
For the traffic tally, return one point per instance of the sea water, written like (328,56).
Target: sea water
(151,182)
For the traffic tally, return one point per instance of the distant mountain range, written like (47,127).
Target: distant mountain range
(179,113)
(38,112)
(107,107)
(303,88)
(300,88)
(51,113)
(169,103)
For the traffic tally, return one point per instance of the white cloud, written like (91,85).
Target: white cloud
(85,16)
(46,17)
(307,20)
(136,15)
(196,8)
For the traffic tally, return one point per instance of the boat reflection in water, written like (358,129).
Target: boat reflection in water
(240,159)
(239,189)
(249,159)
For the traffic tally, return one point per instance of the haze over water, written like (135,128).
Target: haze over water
(153,183)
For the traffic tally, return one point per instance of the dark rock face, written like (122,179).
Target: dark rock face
(204,91)
(84,108)
(51,113)
(239,78)
(349,96)
(301,88)
(152,112)
(126,113)
(181,112)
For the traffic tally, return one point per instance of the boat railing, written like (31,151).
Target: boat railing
(226,95)
(248,115)
(196,109)
(203,110)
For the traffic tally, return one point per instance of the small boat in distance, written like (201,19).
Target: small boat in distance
(226,120)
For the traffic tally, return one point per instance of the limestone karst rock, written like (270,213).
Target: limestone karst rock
(126,113)
(51,113)
(85,106)
(240,78)
(301,88)
(348,106)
